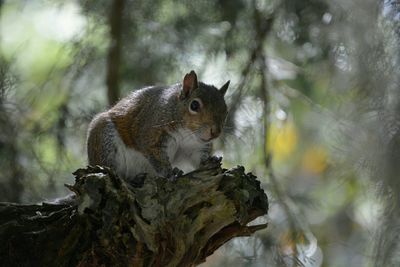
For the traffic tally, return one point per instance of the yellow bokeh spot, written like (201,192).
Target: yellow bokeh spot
(315,159)
(282,140)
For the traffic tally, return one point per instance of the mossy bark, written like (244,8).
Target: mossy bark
(157,222)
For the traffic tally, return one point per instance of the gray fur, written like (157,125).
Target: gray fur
(157,110)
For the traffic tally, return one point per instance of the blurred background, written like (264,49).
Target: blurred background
(314,108)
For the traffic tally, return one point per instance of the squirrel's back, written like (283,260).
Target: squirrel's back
(144,112)
(124,132)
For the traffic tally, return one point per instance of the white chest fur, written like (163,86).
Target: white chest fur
(183,148)
(130,162)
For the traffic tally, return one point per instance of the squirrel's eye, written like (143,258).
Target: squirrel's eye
(195,106)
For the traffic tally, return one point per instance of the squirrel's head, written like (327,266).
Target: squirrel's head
(203,107)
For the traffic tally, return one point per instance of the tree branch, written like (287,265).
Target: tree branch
(114,52)
(154,223)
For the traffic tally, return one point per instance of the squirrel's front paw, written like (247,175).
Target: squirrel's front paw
(174,174)
(211,161)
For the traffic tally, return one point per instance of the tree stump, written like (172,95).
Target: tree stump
(156,222)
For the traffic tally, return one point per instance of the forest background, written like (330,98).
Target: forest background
(314,108)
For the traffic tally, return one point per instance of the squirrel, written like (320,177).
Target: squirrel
(159,129)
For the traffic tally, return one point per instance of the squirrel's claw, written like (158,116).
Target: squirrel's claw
(211,161)
(175,174)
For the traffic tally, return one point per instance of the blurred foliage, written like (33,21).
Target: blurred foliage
(314,108)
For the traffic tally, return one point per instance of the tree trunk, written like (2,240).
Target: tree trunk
(114,51)
(155,222)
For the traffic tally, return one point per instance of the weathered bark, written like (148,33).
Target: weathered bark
(155,223)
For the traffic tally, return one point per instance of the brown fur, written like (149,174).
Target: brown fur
(95,140)
(145,119)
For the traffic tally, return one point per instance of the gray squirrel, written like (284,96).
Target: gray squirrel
(157,129)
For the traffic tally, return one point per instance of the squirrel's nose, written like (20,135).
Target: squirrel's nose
(215,131)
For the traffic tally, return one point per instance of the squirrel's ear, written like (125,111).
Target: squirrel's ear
(224,87)
(189,83)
